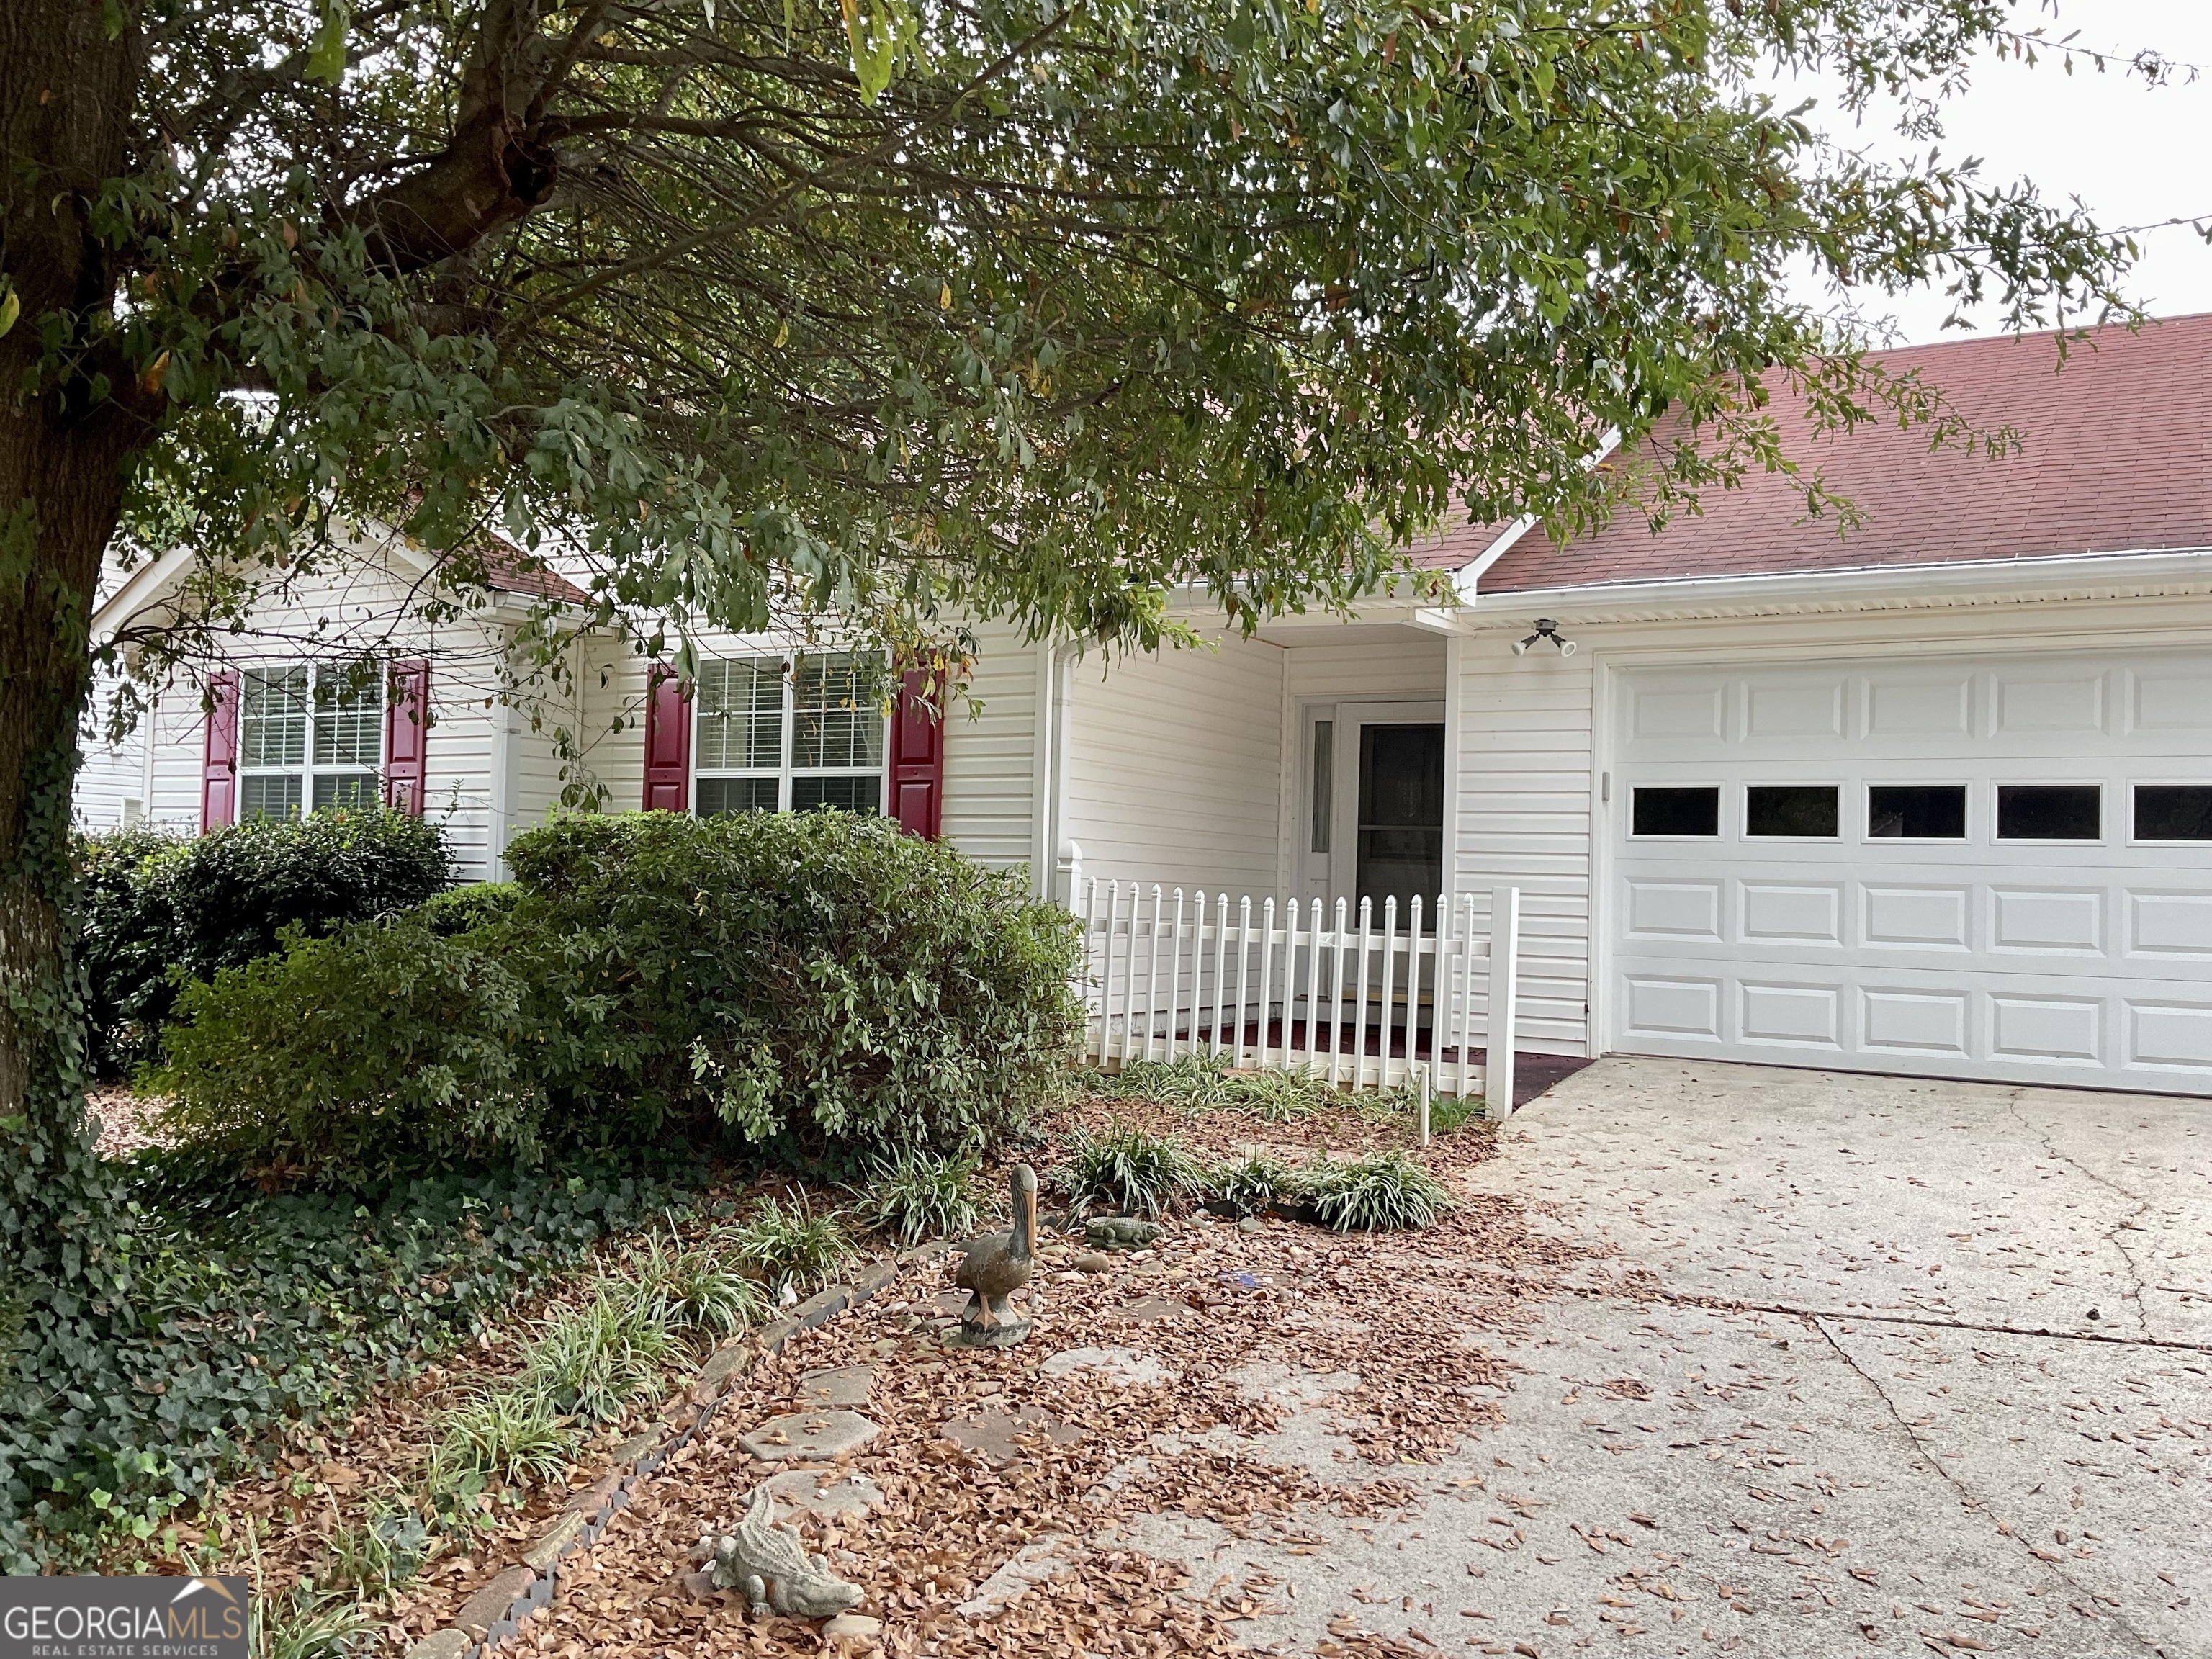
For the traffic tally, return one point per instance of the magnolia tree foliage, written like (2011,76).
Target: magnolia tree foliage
(1032,309)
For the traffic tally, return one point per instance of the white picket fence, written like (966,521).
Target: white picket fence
(1302,986)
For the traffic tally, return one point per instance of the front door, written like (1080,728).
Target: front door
(1387,838)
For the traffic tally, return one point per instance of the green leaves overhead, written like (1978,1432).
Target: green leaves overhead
(904,306)
(326,57)
(878,36)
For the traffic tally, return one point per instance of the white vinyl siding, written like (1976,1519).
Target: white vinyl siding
(1517,793)
(1176,766)
(992,756)
(463,655)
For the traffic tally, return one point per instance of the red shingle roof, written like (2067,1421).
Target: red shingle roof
(512,568)
(2115,456)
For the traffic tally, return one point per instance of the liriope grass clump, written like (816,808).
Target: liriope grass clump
(1128,1169)
(511,1435)
(790,1247)
(1197,1081)
(919,1196)
(593,1360)
(1382,1192)
(1255,1181)
(696,1287)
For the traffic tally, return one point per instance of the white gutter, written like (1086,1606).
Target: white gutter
(1958,579)
(1466,579)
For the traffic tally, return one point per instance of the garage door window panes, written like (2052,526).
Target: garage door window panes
(1667,810)
(1917,812)
(309,737)
(1793,812)
(2173,811)
(769,739)
(2050,812)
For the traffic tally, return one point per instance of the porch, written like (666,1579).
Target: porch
(1256,839)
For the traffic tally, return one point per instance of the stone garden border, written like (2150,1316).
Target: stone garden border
(496,1611)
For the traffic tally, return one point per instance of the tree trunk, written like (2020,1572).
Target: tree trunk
(65,99)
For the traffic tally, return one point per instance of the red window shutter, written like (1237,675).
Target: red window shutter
(918,759)
(406,735)
(219,769)
(667,742)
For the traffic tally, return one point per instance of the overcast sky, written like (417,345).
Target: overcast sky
(2134,155)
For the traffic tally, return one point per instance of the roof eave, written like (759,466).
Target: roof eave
(1862,587)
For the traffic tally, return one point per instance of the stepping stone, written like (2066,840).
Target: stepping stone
(1031,1565)
(1127,1367)
(803,1437)
(837,1387)
(1145,1308)
(992,1434)
(823,1491)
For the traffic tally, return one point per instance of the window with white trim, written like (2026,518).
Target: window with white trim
(773,735)
(310,737)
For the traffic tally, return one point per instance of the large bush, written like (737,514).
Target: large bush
(380,1048)
(815,979)
(159,909)
(818,983)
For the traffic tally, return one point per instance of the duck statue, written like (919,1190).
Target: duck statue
(995,1267)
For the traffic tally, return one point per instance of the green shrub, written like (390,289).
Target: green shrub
(127,944)
(1135,1171)
(159,908)
(381,1049)
(1255,1181)
(918,1196)
(469,906)
(814,980)
(794,1247)
(1377,1193)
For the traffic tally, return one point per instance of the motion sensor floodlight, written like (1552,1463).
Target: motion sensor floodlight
(1546,630)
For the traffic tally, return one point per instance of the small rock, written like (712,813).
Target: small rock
(1092,1262)
(851,1627)
(1251,1224)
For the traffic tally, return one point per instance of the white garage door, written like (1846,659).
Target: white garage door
(1962,869)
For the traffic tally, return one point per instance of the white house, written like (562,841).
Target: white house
(1932,797)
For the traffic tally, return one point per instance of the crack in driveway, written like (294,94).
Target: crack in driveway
(1978,1505)
(2111,1233)
(1633,1292)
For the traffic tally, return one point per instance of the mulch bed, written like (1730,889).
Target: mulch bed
(1209,1303)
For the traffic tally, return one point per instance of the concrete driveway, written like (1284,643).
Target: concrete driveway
(1872,1366)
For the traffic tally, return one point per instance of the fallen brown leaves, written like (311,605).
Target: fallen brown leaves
(1217,1307)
